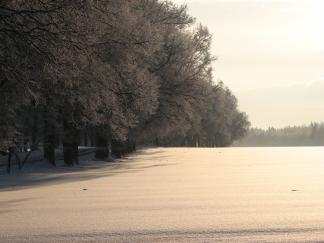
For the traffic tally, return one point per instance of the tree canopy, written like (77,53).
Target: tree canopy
(136,71)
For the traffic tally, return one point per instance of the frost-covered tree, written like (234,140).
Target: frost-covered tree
(185,76)
(120,72)
(27,29)
(222,123)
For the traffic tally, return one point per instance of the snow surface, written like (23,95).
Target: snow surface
(170,195)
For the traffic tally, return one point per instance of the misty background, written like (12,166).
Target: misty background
(271,54)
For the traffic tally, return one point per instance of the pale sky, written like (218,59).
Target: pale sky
(273,47)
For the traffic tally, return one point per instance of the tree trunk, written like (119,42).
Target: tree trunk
(49,151)
(75,146)
(116,148)
(134,146)
(49,139)
(67,153)
(93,137)
(85,137)
(130,146)
(102,144)
(70,144)
(9,161)
(35,127)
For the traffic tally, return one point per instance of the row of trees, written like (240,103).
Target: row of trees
(312,135)
(116,72)
(219,125)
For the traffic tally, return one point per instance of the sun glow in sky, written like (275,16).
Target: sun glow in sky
(268,45)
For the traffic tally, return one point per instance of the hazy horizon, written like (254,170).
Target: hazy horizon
(274,48)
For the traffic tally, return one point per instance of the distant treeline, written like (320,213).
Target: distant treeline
(110,74)
(312,135)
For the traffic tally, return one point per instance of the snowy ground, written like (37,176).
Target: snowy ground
(170,195)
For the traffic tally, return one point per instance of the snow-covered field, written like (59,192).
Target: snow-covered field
(170,195)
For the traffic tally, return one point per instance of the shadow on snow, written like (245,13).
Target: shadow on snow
(42,173)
